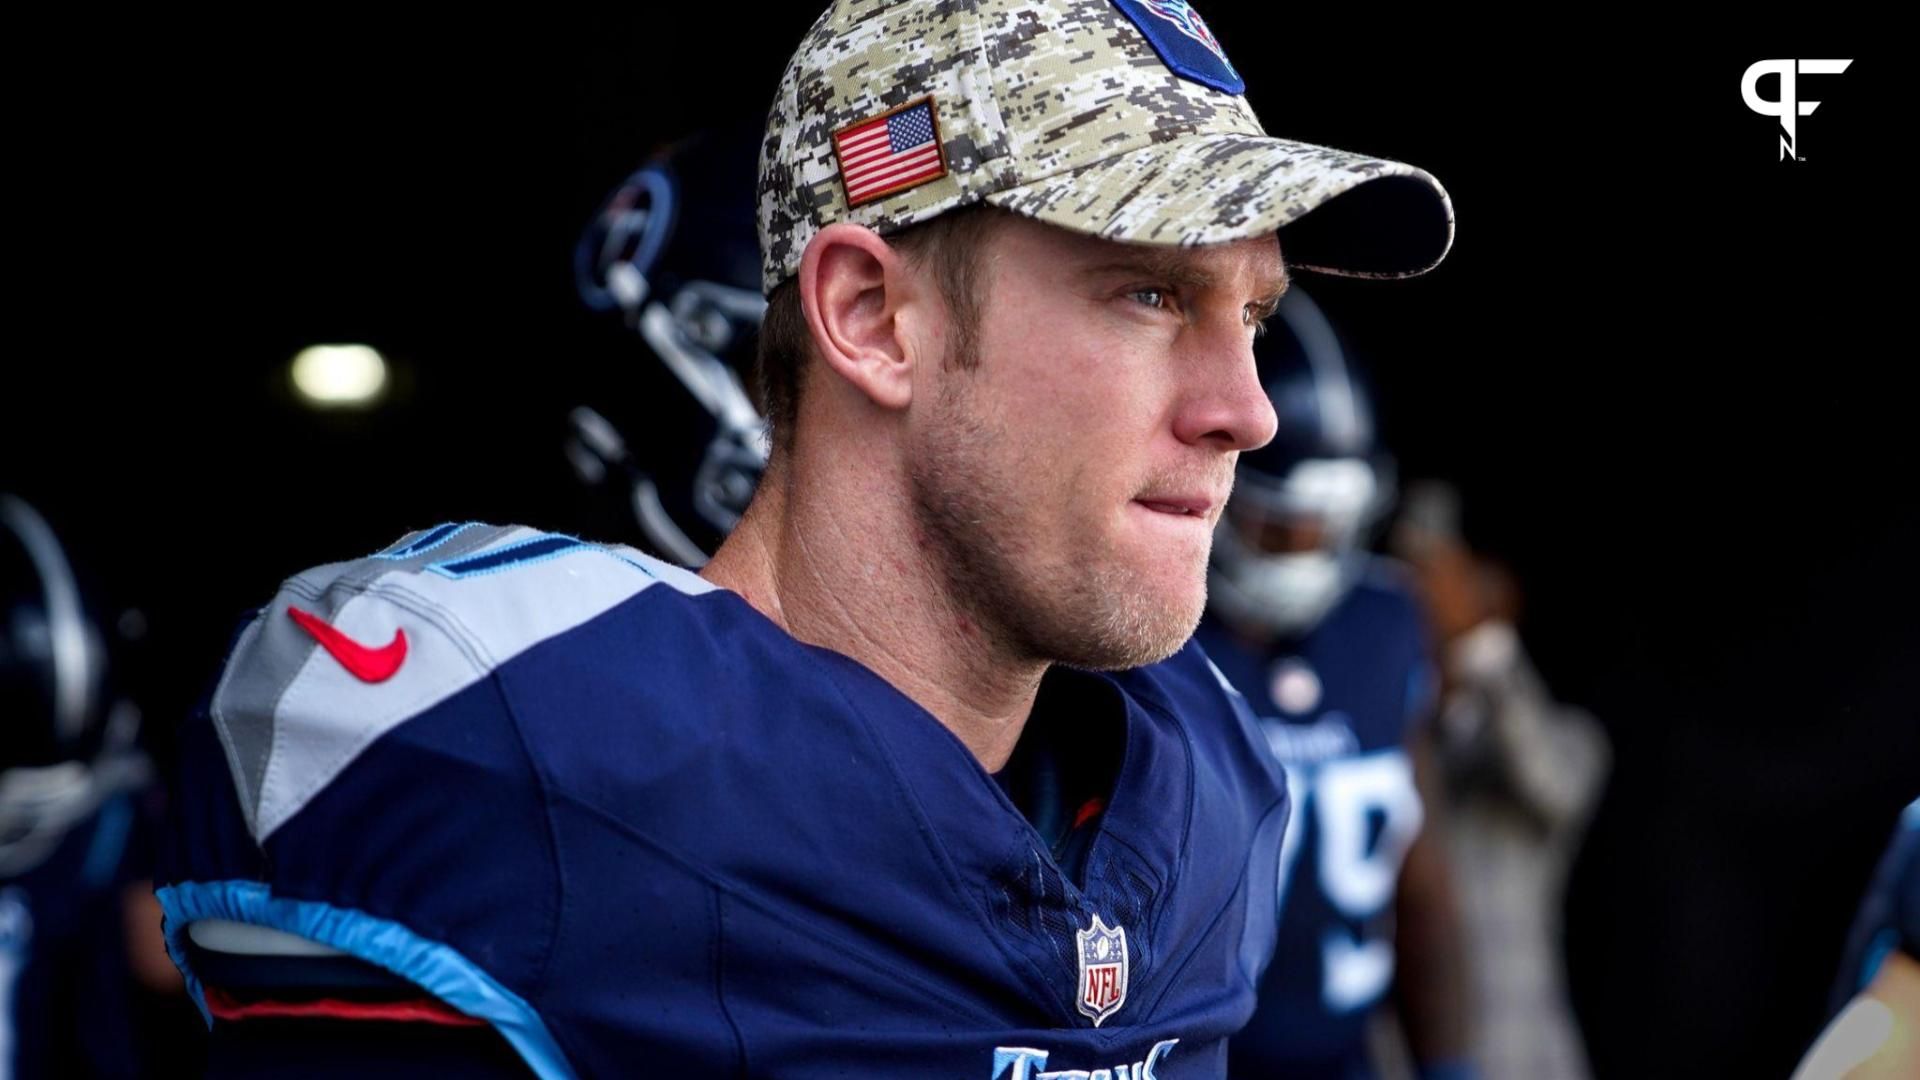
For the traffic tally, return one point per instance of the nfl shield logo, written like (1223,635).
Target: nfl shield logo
(1103,970)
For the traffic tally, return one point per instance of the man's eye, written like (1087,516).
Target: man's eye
(1153,298)
(1257,316)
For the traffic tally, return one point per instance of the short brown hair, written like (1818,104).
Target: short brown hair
(950,243)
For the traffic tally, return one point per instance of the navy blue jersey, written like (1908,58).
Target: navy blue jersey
(624,818)
(1889,917)
(1334,706)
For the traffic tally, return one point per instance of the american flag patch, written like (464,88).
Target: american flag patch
(891,152)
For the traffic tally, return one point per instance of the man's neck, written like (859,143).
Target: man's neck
(848,569)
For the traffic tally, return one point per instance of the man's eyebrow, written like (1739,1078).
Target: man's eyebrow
(1165,266)
(1170,267)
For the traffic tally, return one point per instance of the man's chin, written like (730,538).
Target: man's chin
(1135,630)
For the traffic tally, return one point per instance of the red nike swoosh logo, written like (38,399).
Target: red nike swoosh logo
(368,665)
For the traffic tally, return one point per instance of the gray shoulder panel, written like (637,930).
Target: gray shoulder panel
(348,651)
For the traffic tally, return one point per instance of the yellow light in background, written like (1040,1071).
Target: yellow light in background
(339,376)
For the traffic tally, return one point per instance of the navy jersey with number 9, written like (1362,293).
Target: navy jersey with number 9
(1335,706)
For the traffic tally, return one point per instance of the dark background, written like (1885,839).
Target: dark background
(1663,366)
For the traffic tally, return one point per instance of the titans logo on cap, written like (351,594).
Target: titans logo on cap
(1186,46)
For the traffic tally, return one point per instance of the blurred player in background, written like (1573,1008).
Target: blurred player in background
(673,252)
(1326,642)
(1875,1030)
(1521,774)
(82,967)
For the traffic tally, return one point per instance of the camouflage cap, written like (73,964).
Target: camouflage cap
(1118,118)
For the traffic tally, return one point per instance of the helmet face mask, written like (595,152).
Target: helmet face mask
(718,318)
(1287,548)
(1319,503)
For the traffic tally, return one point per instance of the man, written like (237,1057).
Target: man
(1520,773)
(855,800)
(1326,643)
(83,976)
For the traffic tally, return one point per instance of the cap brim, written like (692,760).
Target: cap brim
(1342,213)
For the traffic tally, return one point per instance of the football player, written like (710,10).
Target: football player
(673,252)
(79,934)
(1327,644)
(920,775)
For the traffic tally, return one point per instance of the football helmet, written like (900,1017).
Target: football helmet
(1292,538)
(674,252)
(67,744)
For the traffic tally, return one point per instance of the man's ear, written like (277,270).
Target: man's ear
(852,288)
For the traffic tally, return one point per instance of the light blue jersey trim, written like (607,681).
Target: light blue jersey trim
(428,540)
(435,968)
(1878,950)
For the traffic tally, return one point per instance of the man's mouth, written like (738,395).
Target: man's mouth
(1177,505)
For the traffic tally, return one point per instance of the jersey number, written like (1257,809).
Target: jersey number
(1367,813)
